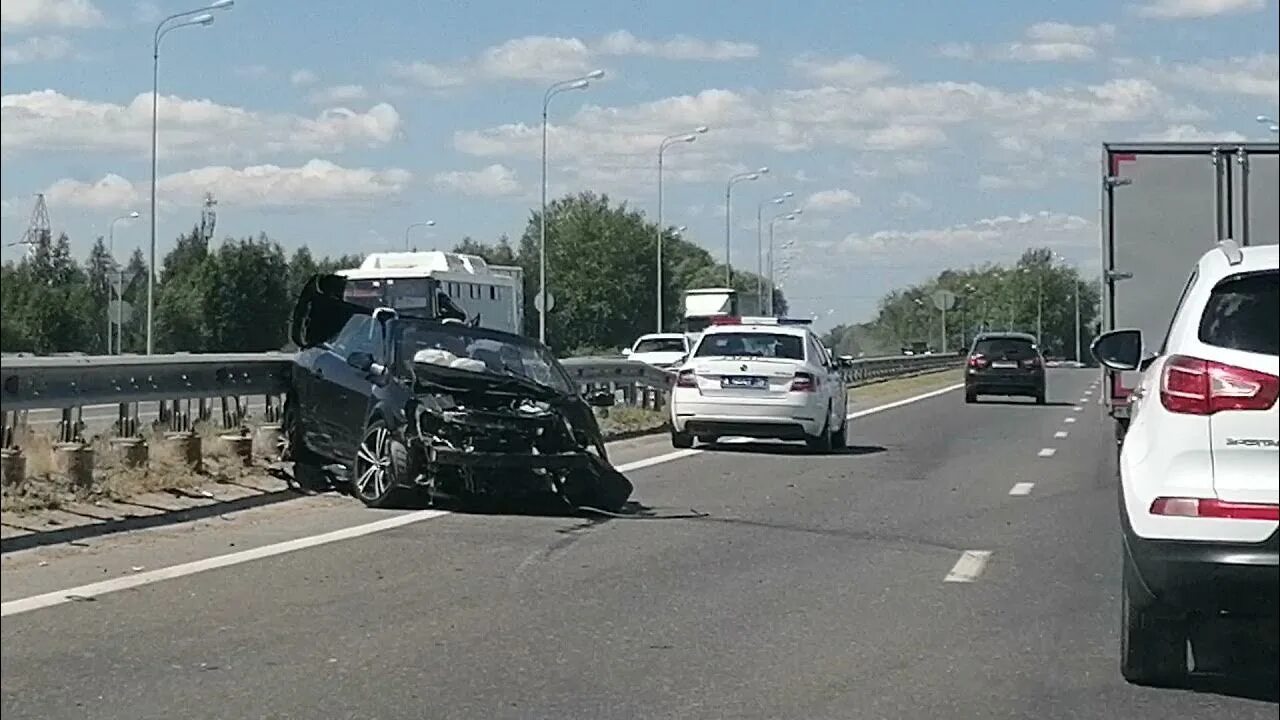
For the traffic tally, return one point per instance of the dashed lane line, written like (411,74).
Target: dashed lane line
(1047,452)
(1060,434)
(969,567)
(1022,488)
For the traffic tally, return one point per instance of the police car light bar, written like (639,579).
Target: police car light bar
(759,320)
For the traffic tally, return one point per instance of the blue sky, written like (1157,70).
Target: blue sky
(915,136)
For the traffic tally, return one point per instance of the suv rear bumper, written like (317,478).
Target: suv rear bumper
(1207,576)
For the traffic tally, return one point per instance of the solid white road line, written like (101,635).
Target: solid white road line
(1068,420)
(1046,452)
(969,566)
(1060,434)
(907,401)
(92,590)
(1022,488)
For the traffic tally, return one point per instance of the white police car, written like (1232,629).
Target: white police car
(759,377)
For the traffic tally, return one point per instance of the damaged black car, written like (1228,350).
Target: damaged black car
(433,404)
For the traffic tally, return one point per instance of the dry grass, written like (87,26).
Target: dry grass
(44,489)
(624,419)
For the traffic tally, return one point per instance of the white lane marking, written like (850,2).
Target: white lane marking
(1069,420)
(1060,434)
(969,566)
(59,597)
(1022,488)
(1046,452)
(907,401)
(35,602)
(1077,408)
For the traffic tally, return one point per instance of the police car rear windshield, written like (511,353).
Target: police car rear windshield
(751,344)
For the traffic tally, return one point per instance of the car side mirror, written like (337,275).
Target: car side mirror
(601,398)
(626,352)
(1119,350)
(364,362)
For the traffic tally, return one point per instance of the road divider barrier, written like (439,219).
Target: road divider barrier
(187,388)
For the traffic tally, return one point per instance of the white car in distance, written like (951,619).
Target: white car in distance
(661,350)
(761,378)
(1200,470)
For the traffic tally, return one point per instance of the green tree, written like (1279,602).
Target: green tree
(98,272)
(245,296)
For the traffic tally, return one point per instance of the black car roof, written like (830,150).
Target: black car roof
(1006,336)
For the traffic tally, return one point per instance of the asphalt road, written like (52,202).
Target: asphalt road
(901,579)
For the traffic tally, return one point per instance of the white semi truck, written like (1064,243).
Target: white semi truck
(1163,206)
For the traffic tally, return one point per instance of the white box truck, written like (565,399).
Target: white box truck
(1163,206)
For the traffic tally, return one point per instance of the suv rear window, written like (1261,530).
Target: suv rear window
(789,347)
(1241,314)
(1008,348)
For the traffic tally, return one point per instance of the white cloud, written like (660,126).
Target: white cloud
(493,181)
(1192,9)
(850,71)
(545,58)
(252,72)
(904,137)
(49,120)
(22,15)
(681,47)
(303,77)
(911,201)
(338,95)
(1002,236)
(1252,76)
(1191,133)
(318,182)
(39,48)
(833,200)
(1042,42)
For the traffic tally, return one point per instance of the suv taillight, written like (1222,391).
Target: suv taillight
(1211,508)
(804,382)
(1194,386)
(1031,362)
(977,361)
(685,379)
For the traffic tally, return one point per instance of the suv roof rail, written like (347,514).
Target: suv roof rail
(1231,249)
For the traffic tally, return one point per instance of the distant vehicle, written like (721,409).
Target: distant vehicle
(409,282)
(1004,363)
(463,412)
(1163,206)
(1200,468)
(702,305)
(760,377)
(662,350)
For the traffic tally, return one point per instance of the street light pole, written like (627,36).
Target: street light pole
(424,223)
(760,247)
(1077,319)
(202,19)
(579,83)
(662,147)
(773,221)
(728,219)
(117,282)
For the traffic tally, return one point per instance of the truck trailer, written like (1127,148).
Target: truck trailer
(1163,206)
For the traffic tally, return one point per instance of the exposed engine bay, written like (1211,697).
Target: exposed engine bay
(487,438)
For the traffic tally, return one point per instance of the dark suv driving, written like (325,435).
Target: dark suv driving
(1005,364)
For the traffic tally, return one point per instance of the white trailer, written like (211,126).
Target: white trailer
(1163,206)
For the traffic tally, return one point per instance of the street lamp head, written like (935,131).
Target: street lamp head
(689,138)
(205,20)
(790,216)
(798,211)
(751,176)
(1263,119)
(221,5)
(788,194)
(701,129)
(778,200)
(577,85)
(680,230)
(133,215)
(763,171)
(595,74)
(430,223)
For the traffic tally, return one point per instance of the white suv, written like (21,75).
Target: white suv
(1200,467)
(765,378)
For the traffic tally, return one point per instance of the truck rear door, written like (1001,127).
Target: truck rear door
(1164,205)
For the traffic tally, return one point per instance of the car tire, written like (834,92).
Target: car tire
(1153,644)
(970,396)
(381,467)
(681,441)
(708,439)
(821,443)
(1040,398)
(840,438)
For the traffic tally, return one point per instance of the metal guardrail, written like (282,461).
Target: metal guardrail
(69,383)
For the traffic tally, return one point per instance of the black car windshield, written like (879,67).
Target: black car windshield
(1011,348)
(478,350)
(751,344)
(651,345)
